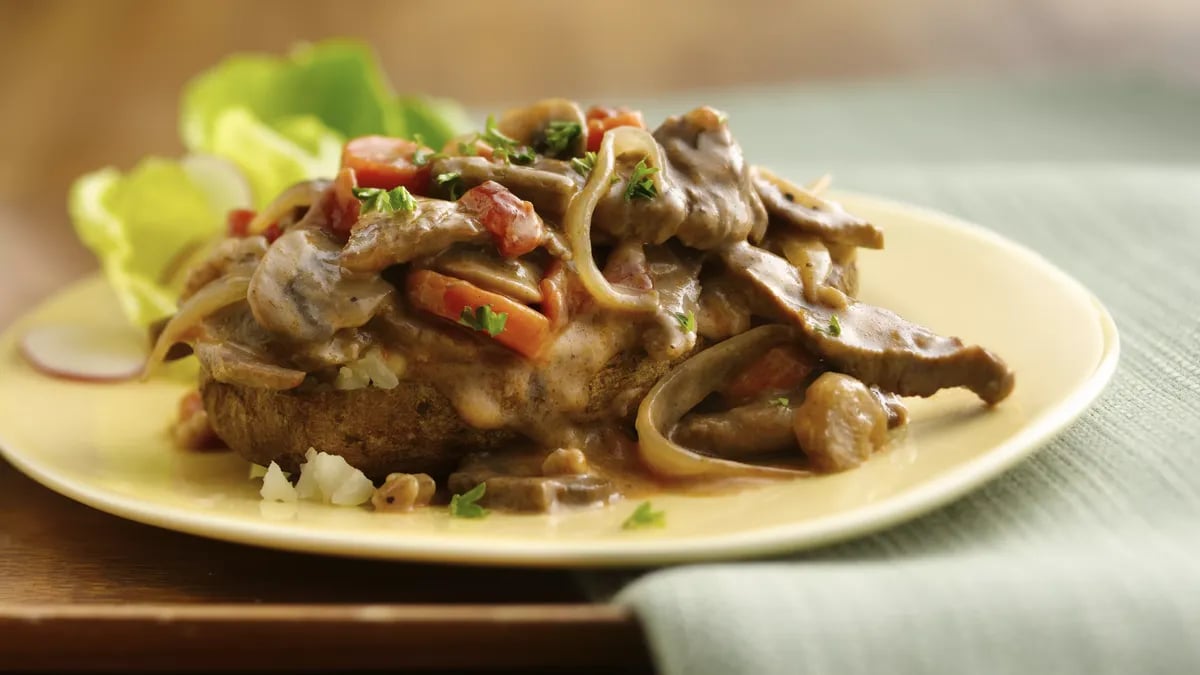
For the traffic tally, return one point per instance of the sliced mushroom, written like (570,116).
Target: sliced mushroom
(528,125)
(840,423)
(518,279)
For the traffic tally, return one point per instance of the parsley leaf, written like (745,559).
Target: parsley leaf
(496,138)
(467,148)
(584,165)
(422,154)
(483,319)
(558,137)
(464,506)
(504,147)
(385,201)
(686,321)
(782,401)
(835,326)
(644,516)
(641,185)
(452,181)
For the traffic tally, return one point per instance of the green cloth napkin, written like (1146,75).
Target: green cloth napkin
(1084,559)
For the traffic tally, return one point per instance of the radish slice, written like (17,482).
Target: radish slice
(85,353)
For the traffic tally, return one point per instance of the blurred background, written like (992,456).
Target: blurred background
(87,83)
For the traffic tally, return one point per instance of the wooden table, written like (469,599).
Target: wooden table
(92,82)
(82,590)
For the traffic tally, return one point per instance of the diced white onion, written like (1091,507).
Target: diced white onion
(276,487)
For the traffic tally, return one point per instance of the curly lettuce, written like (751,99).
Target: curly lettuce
(277,121)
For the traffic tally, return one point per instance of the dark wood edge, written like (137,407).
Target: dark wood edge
(305,637)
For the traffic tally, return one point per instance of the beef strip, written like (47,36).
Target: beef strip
(707,200)
(380,240)
(822,218)
(875,345)
(744,432)
(675,275)
(516,482)
(548,184)
(723,310)
(236,364)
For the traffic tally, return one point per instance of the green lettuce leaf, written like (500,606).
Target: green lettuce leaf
(143,224)
(283,120)
(255,124)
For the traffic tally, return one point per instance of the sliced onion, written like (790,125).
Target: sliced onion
(821,184)
(578,220)
(688,384)
(301,194)
(803,196)
(215,296)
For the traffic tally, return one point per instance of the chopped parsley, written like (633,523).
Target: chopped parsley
(505,147)
(644,516)
(782,401)
(641,185)
(452,181)
(522,155)
(422,154)
(465,506)
(584,165)
(558,137)
(385,201)
(686,321)
(835,326)
(483,319)
(467,148)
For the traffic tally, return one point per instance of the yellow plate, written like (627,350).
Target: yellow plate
(106,445)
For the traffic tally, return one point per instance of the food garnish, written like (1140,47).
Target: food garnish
(641,185)
(385,201)
(465,506)
(687,321)
(559,136)
(483,319)
(644,516)
(452,181)
(584,165)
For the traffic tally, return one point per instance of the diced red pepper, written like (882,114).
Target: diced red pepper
(513,223)
(600,119)
(238,222)
(525,330)
(780,370)
(340,204)
(384,162)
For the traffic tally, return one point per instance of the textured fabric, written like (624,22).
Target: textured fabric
(1083,559)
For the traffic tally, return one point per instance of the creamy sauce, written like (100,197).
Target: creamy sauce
(722,247)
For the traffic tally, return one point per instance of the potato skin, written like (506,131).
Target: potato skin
(409,429)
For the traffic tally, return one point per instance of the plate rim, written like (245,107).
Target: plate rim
(944,488)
